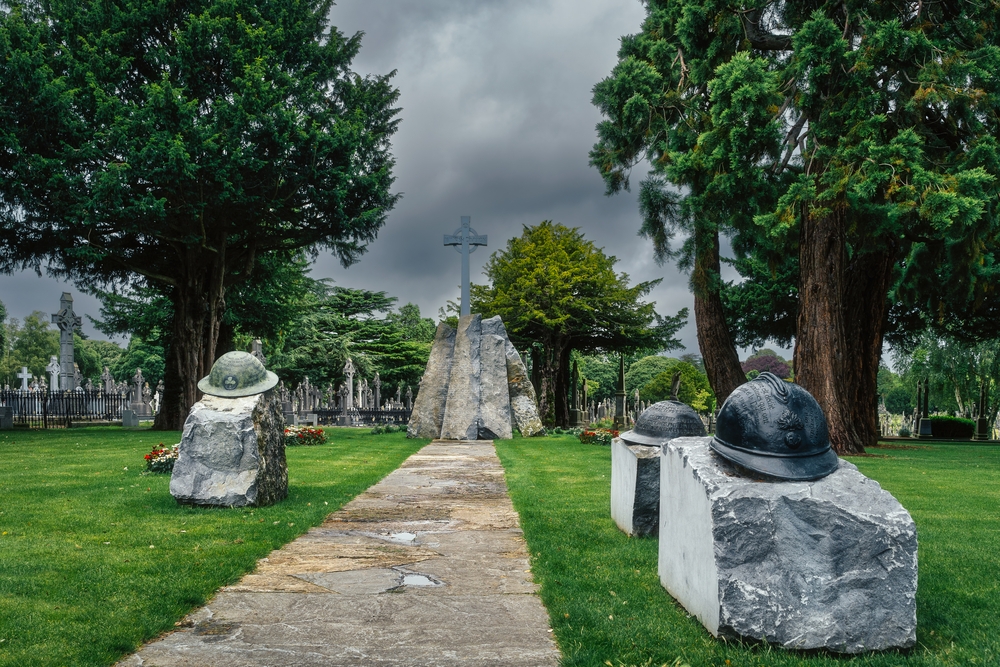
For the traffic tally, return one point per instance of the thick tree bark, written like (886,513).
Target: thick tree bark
(867,281)
(562,389)
(821,348)
(198,306)
(722,364)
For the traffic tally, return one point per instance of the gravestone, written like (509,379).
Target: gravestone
(6,417)
(25,376)
(53,371)
(130,419)
(139,405)
(68,322)
(107,380)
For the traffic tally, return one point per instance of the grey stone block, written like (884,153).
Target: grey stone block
(6,417)
(829,564)
(461,412)
(130,419)
(428,408)
(232,453)
(523,402)
(635,488)
(494,404)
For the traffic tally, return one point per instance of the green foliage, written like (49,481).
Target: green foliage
(943,426)
(30,343)
(606,603)
(89,590)
(139,355)
(641,371)
(411,325)
(695,390)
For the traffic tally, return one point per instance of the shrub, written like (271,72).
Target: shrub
(904,432)
(598,436)
(161,459)
(952,427)
(304,435)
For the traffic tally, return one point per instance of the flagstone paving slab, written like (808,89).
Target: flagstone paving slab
(427,567)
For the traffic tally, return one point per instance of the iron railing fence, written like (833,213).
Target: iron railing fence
(332,416)
(59,409)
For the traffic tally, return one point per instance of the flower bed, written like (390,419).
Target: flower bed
(162,459)
(598,436)
(304,435)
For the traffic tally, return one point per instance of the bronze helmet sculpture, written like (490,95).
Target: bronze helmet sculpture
(775,428)
(664,421)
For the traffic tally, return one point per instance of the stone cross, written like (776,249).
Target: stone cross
(137,381)
(68,322)
(349,393)
(108,380)
(53,369)
(377,383)
(409,397)
(466,240)
(257,350)
(25,376)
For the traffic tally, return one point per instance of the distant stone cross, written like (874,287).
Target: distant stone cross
(68,322)
(25,376)
(466,240)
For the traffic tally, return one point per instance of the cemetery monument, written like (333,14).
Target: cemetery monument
(765,534)
(232,451)
(68,322)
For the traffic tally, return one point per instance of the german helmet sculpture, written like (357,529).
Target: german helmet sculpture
(775,428)
(236,374)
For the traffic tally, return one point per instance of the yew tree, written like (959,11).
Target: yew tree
(172,144)
(558,292)
(858,138)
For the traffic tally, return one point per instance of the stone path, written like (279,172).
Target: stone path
(427,567)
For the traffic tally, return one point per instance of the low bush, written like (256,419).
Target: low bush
(304,435)
(386,428)
(952,427)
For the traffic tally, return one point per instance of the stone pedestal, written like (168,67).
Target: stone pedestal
(924,429)
(130,419)
(828,564)
(6,418)
(232,453)
(635,488)
(982,430)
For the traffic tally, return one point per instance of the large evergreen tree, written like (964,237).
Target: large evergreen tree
(859,138)
(171,144)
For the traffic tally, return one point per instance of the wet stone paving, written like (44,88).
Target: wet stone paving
(427,567)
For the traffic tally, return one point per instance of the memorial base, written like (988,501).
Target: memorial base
(828,564)
(635,488)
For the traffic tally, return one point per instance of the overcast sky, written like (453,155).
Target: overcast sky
(496,123)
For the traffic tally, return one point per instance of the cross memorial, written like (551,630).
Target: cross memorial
(466,240)
(25,376)
(53,368)
(67,321)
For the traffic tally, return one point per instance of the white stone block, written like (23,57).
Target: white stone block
(830,563)
(635,487)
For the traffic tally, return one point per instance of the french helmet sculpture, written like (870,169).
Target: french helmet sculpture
(664,421)
(775,428)
(236,374)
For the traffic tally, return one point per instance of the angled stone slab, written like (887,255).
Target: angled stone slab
(428,408)
(827,564)
(494,403)
(232,453)
(635,488)
(523,401)
(461,411)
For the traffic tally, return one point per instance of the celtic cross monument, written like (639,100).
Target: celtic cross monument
(466,240)
(68,322)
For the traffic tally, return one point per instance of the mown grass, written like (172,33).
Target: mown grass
(97,558)
(607,606)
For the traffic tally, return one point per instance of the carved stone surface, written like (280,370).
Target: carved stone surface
(494,404)
(830,563)
(232,453)
(635,487)
(523,402)
(428,410)
(461,412)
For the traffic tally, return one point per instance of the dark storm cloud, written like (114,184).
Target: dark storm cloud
(496,123)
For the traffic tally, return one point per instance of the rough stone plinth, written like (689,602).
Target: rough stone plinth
(232,453)
(523,401)
(494,398)
(635,487)
(461,412)
(428,408)
(829,564)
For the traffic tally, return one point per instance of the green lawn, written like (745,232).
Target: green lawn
(96,558)
(608,608)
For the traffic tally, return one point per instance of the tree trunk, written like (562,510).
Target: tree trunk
(821,347)
(562,389)
(722,364)
(198,306)
(867,280)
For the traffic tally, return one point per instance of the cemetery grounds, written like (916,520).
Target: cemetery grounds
(97,558)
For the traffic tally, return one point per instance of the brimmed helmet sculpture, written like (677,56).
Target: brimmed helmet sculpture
(236,374)
(775,428)
(663,421)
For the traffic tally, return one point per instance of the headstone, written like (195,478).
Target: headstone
(409,397)
(25,376)
(6,417)
(461,411)
(377,393)
(53,370)
(257,350)
(138,404)
(130,419)
(494,399)
(825,564)
(428,410)
(232,453)
(108,380)
(635,464)
(68,322)
(349,374)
